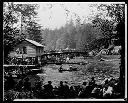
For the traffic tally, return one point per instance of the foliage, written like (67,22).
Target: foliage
(26,10)
(95,35)
(34,31)
(106,26)
(27,13)
(115,11)
(117,14)
(74,37)
(10,33)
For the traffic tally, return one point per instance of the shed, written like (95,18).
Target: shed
(27,48)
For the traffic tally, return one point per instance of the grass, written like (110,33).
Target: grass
(99,69)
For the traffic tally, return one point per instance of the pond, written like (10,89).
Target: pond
(100,70)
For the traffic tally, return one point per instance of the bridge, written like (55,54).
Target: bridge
(60,57)
(52,57)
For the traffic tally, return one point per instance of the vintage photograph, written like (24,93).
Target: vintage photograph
(64,51)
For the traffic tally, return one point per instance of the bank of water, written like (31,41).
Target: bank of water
(99,70)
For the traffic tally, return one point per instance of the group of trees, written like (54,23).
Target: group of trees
(95,35)
(86,36)
(25,14)
(70,35)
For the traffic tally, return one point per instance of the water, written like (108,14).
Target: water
(100,70)
(52,74)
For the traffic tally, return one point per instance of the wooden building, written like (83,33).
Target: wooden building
(27,48)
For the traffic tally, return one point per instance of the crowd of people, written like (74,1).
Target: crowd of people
(109,88)
(21,61)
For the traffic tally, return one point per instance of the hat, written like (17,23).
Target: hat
(92,78)
(61,82)
(84,83)
(49,82)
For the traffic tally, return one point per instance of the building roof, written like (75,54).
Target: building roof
(34,42)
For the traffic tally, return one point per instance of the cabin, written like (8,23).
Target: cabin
(27,48)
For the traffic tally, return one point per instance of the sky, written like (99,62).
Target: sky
(56,14)
(53,15)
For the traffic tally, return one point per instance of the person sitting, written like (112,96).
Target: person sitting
(77,90)
(27,84)
(66,89)
(72,92)
(38,85)
(60,69)
(105,82)
(61,90)
(116,90)
(92,82)
(84,86)
(96,92)
(107,92)
(19,86)
(10,82)
(55,91)
(83,90)
(70,67)
(48,89)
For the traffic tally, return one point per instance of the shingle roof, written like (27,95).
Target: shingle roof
(34,42)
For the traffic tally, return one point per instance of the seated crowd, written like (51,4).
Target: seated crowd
(107,89)
(20,61)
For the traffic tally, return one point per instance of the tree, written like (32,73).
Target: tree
(27,13)
(70,34)
(106,27)
(34,31)
(117,13)
(10,33)
(103,30)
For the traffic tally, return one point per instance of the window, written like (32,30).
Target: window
(24,50)
(40,50)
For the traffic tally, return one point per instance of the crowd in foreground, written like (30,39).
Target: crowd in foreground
(109,88)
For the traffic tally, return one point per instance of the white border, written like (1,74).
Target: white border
(69,2)
(125,55)
(69,100)
(125,50)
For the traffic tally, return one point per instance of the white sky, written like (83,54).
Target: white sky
(53,15)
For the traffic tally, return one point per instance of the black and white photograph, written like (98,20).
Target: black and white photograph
(64,51)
